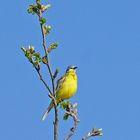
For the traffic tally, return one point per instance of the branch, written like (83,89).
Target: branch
(34,58)
(39,13)
(72,130)
(71,111)
(45,50)
(41,78)
(56,117)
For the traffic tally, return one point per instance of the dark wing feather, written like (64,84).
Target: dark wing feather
(60,82)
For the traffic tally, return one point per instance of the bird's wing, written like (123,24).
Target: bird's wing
(60,82)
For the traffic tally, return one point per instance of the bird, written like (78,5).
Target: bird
(65,89)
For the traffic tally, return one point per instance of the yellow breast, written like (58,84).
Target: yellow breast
(68,87)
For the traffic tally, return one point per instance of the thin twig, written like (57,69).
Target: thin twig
(72,130)
(95,132)
(41,78)
(46,52)
(51,75)
(71,111)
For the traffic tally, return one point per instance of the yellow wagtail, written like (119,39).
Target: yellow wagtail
(66,87)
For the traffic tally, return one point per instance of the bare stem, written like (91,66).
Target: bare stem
(56,118)
(51,75)
(71,111)
(46,53)
(41,78)
(72,130)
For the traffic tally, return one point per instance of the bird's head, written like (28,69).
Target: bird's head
(71,68)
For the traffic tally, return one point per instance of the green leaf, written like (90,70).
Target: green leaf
(38,1)
(32,9)
(37,55)
(42,21)
(38,4)
(47,29)
(31,55)
(63,105)
(47,6)
(52,47)
(65,117)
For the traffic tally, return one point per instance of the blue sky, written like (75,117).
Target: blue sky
(102,38)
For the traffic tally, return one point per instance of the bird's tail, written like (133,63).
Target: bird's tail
(48,110)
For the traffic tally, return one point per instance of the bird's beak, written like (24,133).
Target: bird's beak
(75,67)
